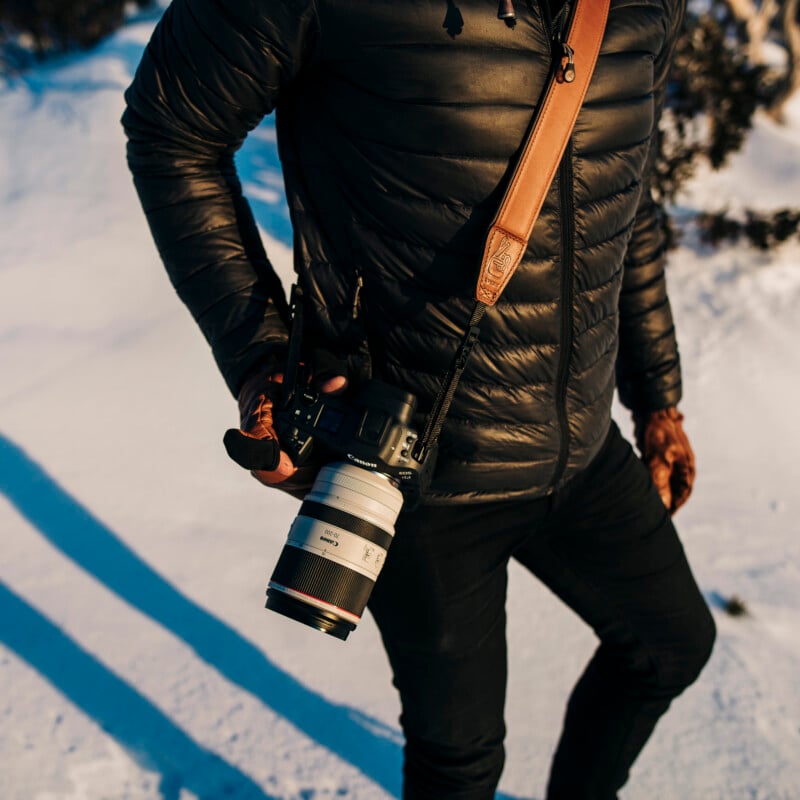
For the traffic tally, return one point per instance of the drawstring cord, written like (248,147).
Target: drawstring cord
(506,10)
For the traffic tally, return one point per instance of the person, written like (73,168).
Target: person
(398,125)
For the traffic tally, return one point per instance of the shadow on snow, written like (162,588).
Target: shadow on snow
(145,732)
(80,536)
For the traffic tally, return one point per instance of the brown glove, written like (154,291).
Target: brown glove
(667,453)
(255,445)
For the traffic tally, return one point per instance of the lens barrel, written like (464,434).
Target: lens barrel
(335,549)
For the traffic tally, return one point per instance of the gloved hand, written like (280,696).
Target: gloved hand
(255,445)
(667,453)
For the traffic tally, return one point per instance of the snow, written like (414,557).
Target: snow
(136,660)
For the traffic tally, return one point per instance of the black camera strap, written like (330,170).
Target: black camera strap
(294,354)
(544,146)
(435,419)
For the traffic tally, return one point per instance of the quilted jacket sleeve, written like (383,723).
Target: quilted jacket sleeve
(648,366)
(211,71)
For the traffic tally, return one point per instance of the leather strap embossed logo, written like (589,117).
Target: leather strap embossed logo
(500,260)
(498,266)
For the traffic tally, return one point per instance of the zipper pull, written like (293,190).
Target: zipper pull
(357,295)
(566,72)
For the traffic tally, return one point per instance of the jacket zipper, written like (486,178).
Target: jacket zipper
(567,211)
(557,30)
(556,27)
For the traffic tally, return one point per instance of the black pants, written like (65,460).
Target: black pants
(606,546)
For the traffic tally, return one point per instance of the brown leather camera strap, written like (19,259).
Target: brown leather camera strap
(545,145)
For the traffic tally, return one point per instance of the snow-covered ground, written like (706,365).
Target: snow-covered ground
(136,660)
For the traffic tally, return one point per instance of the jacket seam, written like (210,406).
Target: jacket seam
(220,262)
(221,299)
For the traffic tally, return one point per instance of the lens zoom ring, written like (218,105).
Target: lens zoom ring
(341,519)
(326,580)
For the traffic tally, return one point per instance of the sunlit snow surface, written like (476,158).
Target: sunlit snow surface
(136,660)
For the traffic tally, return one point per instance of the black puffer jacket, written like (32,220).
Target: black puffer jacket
(398,124)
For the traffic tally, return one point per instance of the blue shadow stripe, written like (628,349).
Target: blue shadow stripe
(257,163)
(83,538)
(149,736)
(364,742)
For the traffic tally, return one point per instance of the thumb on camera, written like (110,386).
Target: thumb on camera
(329,371)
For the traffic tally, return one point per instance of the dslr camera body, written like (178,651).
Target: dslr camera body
(370,428)
(338,542)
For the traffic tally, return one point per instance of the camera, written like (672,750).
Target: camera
(338,542)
